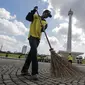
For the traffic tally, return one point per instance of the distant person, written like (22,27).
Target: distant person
(20,55)
(36,29)
(70,58)
(7,54)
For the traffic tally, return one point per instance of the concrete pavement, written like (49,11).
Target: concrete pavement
(10,75)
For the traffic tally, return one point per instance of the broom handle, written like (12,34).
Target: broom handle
(45,34)
(48,40)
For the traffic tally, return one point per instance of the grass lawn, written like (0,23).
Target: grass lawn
(16,55)
(12,55)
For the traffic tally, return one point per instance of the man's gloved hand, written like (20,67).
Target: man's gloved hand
(43,28)
(36,8)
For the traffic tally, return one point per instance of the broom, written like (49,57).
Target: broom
(60,67)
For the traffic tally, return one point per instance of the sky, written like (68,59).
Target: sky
(14,28)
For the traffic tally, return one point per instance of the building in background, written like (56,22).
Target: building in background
(1,47)
(24,49)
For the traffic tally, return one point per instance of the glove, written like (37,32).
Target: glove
(43,28)
(36,8)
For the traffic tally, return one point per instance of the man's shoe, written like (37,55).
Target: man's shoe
(34,77)
(25,73)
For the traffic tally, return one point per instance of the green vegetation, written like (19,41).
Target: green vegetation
(2,54)
(83,61)
(15,55)
(19,55)
(12,55)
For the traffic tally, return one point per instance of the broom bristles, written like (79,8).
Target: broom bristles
(60,67)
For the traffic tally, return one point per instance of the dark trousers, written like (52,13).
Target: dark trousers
(70,61)
(32,56)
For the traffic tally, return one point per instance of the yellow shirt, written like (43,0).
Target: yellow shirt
(35,27)
(70,57)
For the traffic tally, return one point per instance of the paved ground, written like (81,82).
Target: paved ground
(10,75)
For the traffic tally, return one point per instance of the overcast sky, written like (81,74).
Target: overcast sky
(14,28)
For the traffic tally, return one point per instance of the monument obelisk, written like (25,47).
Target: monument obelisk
(69,37)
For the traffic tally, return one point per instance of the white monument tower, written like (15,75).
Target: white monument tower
(70,13)
(69,39)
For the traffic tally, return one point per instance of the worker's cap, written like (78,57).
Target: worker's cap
(49,13)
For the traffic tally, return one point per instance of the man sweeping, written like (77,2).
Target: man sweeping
(34,37)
